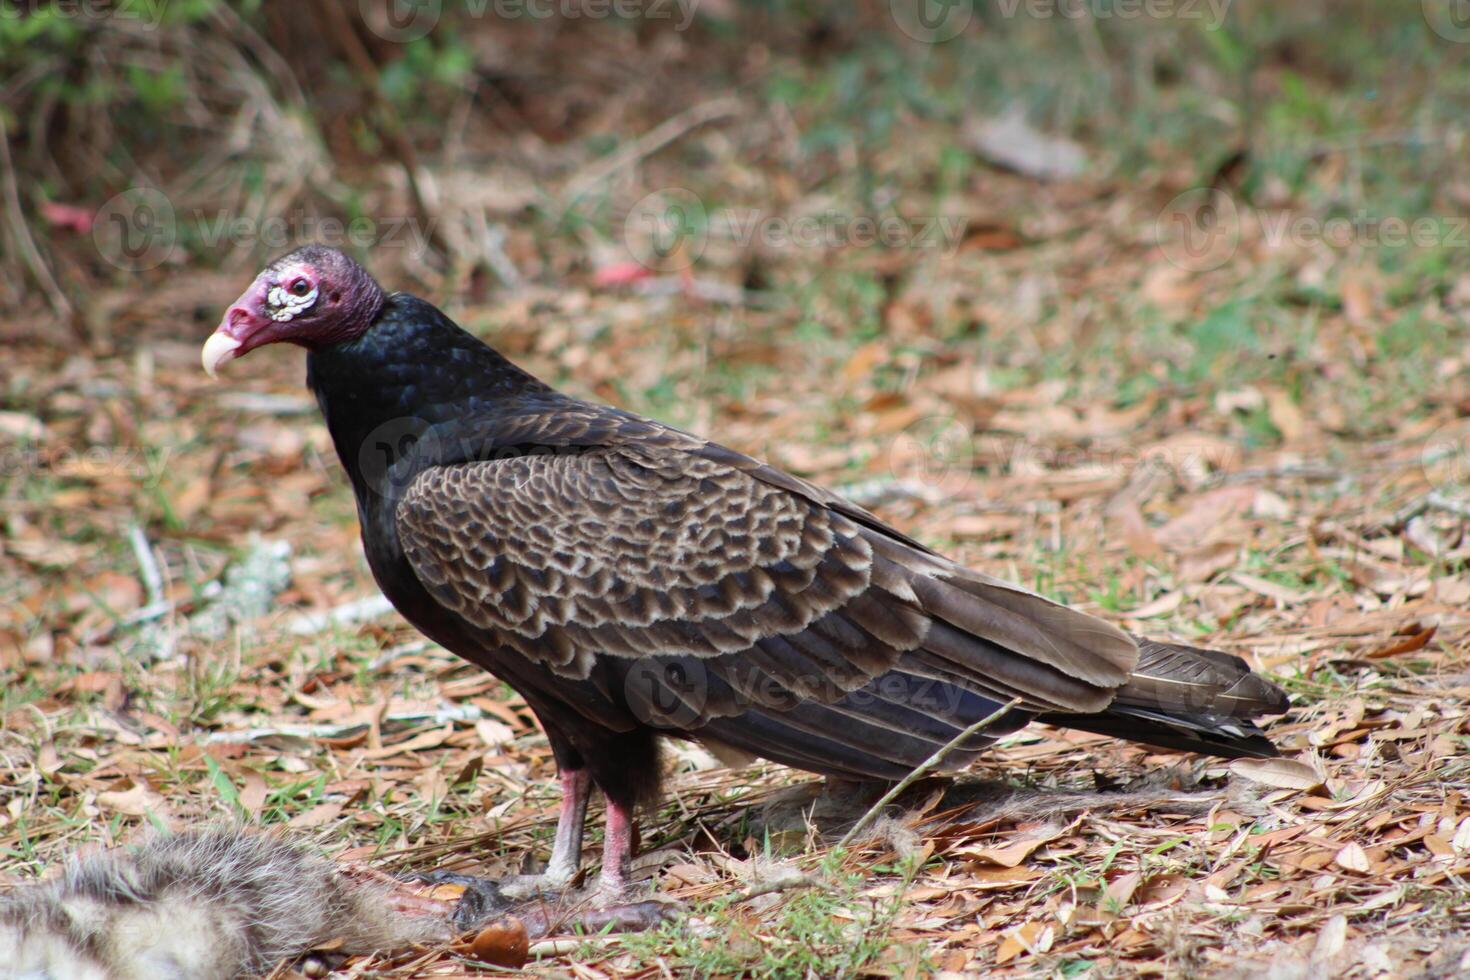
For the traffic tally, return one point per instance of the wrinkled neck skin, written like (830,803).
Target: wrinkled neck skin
(364,307)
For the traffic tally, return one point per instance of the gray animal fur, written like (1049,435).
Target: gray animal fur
(215,905)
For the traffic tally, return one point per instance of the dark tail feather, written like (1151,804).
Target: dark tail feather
(1227,738)
(1189,699)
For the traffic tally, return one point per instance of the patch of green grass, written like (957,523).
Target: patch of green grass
(831,931)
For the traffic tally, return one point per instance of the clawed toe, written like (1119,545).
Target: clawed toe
(629,917)
(547,920)
(524,888)
(545,907)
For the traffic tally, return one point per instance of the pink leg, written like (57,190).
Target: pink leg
(566,849)
(617,854)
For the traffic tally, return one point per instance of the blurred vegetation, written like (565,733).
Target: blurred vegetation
(94,102)
(1349,110)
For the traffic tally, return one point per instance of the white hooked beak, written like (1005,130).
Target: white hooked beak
(218,349)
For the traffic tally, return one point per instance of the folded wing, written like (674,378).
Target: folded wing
(745,602)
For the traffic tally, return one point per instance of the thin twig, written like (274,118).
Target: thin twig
(922,770)
(147,564)
(781,884)
(491,239)
(152,611)
(1439,501)
(649,143)
(1433,500)
(23,240)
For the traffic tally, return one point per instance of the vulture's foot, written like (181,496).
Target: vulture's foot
(546,886)
(583,918)
(629,917)
(546,906)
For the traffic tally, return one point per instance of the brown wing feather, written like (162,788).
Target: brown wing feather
(629,553)
(1080,645)
(653,550)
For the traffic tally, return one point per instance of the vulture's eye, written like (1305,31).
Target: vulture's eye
(300,287)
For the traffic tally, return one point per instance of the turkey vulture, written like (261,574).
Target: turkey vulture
(631,580)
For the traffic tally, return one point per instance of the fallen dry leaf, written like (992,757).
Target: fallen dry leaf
(502,943)
(1033,937)
(1000,878)
(136,800)
(1285,415)
(1209,515)
(1162,606)
(1162,890)
(1012,854)
(1136,532)
(1353,858)
(1272,590)
(1201,564)
(1011,141)
(1417,639)
(1120,890)
(322,813)
(1280,773)
(1330,941)
(20,427)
